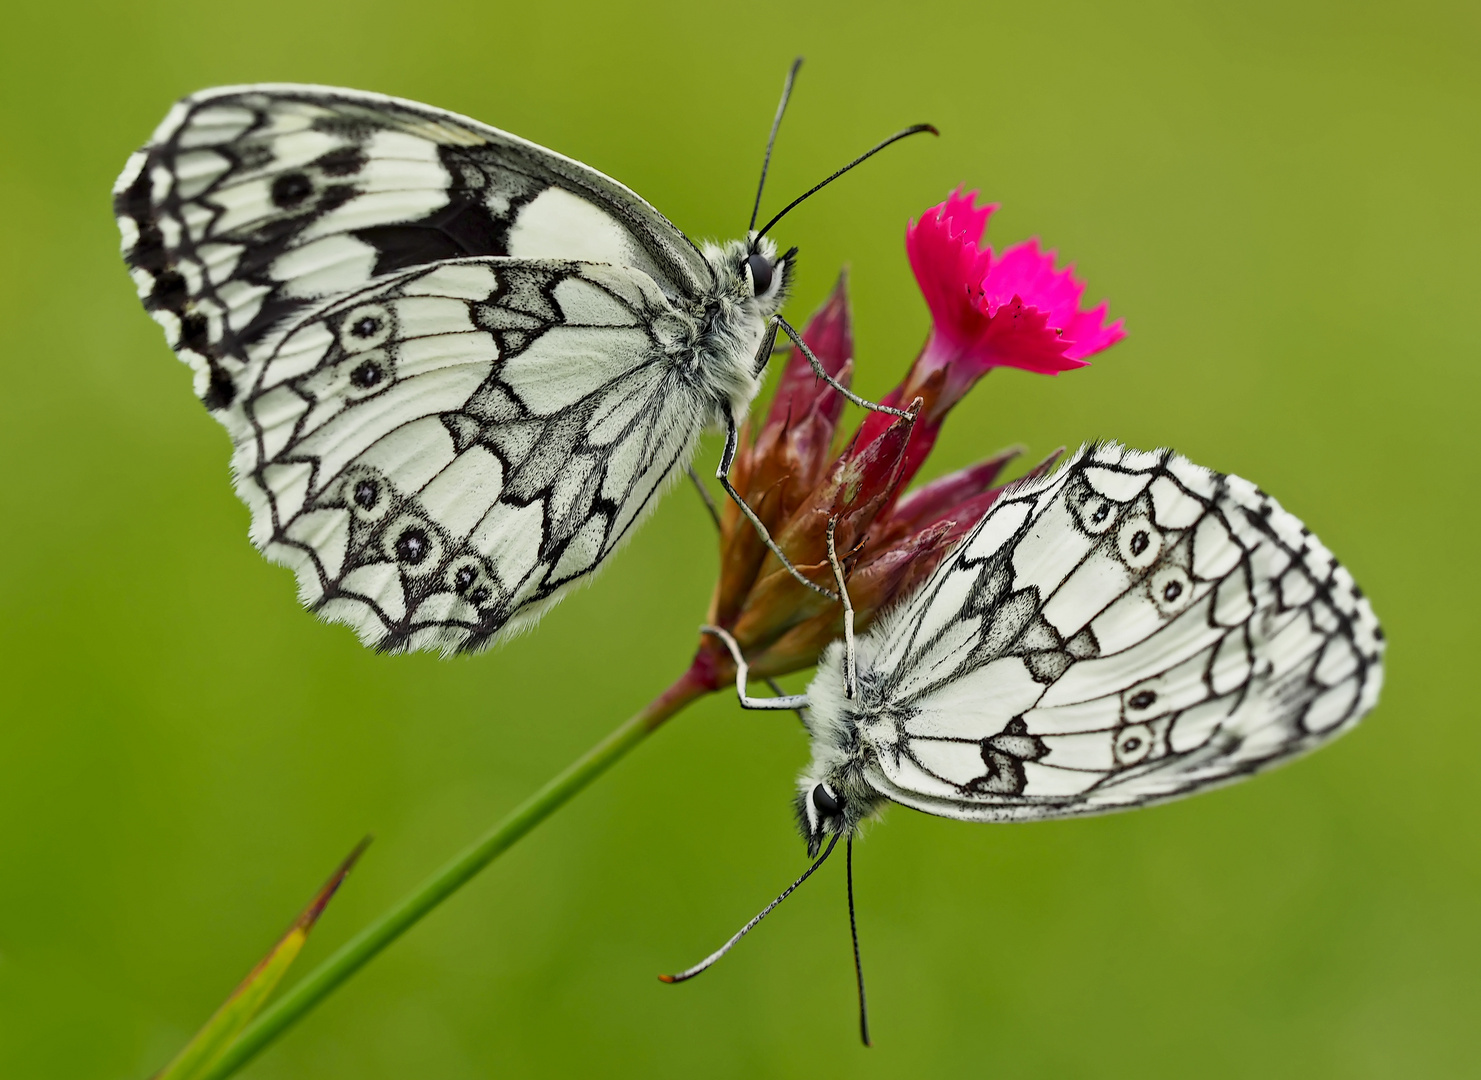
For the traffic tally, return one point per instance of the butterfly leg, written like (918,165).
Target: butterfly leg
(788,701)
(727,458)
(850,667)
(704,495)
(822,373)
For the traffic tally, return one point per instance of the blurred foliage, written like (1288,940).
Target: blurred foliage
(1280,200)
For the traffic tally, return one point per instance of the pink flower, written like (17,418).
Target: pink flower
(987,311)
(1013,310)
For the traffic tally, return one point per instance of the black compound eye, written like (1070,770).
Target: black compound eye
(762,271)
(826,802)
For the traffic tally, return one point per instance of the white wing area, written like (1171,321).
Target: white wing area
(1129,629)
(438,456)
(251,204)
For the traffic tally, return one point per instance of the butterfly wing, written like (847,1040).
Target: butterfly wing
(505,418)
(251,204)
(1130,629)
(439,455)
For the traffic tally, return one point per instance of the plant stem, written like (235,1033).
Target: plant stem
(358,951)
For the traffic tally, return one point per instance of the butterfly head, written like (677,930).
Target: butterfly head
(835,806)
(768,274)
(752,275)
(835,793)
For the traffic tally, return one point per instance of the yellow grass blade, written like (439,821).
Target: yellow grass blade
(228,1021)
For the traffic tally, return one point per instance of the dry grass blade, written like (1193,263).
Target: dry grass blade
(212,1040)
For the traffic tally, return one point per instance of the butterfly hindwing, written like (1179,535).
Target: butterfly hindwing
(252,204)
(440,454)
(1130,629)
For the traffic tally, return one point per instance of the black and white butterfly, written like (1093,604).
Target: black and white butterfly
(1130,629)
(456,367)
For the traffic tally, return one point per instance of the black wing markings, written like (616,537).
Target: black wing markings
(1223,499)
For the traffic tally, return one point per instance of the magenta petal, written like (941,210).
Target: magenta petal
(1028,274)
(1014,310)
(947,262)
(1087,334)
(1021,336)
(969,221)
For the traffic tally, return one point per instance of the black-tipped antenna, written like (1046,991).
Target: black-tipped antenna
(709,961)
(771,139)
(913,129)
(853,927)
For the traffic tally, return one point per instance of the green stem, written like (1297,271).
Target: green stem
(358,951)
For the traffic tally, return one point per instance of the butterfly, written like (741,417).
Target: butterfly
(1129,629)
(456,367)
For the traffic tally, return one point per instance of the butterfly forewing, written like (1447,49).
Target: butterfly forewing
(1130,629)
(252,203)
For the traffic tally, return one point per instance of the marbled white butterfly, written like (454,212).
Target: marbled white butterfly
(1130,629)
(456,367)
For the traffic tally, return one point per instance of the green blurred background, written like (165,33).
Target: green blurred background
(1280,198)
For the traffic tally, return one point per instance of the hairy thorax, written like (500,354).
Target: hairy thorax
(718,339)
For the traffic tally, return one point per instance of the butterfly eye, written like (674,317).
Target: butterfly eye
(1096,513)
(366,373)
(761,273)
(826,802)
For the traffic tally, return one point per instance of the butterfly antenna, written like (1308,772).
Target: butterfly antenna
(853,926)
(771,139)
(913,129)
(709,961)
